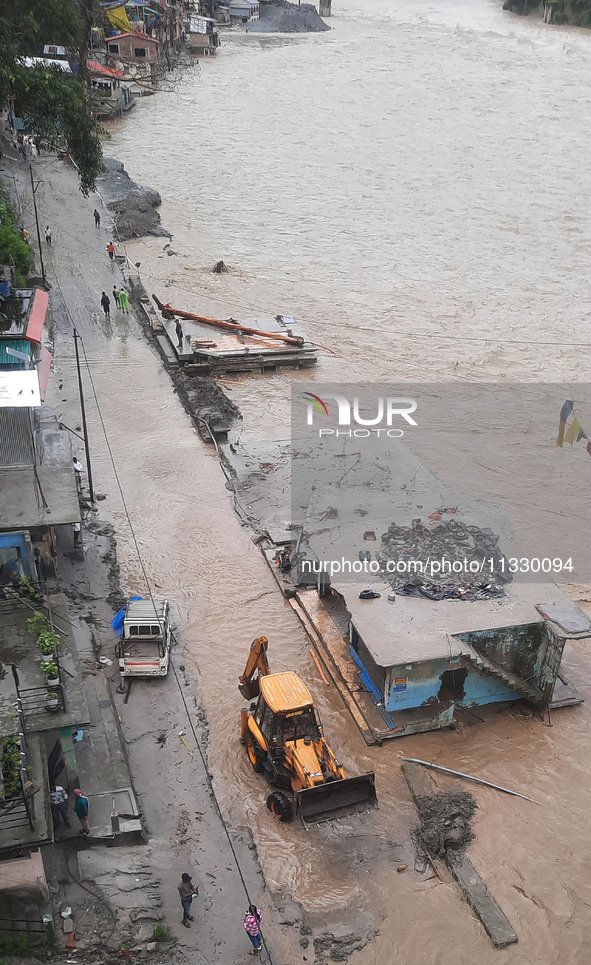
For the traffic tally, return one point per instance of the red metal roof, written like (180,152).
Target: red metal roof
(37,316)
(95,68)
(44,366)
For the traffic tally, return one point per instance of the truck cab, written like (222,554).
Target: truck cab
(146,639)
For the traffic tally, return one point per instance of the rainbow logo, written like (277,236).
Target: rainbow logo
(317,401)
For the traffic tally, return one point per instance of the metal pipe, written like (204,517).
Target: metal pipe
(468,777)
(169,312)
(83,410)
(38,231)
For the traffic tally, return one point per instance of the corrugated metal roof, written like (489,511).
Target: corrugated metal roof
(20,344)
(142,611)
(16,441)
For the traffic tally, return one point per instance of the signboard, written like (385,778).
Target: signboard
(400,685)
(50,50)
(19,389)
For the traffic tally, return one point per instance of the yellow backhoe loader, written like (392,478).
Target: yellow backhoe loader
(285,741)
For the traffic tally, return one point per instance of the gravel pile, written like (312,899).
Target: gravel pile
(283,18)
(133,208)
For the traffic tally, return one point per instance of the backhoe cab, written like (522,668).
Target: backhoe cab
(284,740)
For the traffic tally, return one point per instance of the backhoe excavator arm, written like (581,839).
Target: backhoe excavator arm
(257,661)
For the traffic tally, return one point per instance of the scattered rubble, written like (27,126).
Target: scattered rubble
(447,823)
(449,540)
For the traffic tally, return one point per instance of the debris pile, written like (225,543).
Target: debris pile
(133,208)
(447,823)
(445,559)
(283,17)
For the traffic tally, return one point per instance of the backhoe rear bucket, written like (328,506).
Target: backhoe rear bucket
(336,799)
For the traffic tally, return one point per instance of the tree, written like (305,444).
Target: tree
(53,103)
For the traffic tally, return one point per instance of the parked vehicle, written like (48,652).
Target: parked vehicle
(146,639)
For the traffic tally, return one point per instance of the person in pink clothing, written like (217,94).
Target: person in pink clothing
(252,921)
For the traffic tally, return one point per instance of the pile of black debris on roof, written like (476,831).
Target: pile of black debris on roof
(480,567)
(446,828)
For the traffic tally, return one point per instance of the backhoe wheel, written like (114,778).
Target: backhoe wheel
(256,754)
(280,805)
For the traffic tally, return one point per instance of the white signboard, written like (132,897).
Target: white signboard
(19,389)
(52,50)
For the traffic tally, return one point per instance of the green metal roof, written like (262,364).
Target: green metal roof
(19,344)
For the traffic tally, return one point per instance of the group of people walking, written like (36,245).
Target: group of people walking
(121,299)
(252,917)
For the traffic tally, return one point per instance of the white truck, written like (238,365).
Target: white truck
(146,639)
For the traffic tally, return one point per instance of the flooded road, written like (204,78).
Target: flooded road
(408,185)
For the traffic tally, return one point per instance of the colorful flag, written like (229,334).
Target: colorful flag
(573,431)
(566,410)
(589,448)
(561,429)
(118,18)
(582,435)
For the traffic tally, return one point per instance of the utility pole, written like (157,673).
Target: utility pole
(33,189)
(90,489)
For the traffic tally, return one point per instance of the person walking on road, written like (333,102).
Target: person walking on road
(106,305)
(111,250)
(187,891)
(78,469)
(76,529)
(252,922)
(116,296)
(81,808)
(97,219)
(48,235)
(179,332)
(59,806)
(124,301)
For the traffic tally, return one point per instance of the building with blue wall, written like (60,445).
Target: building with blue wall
(421,658)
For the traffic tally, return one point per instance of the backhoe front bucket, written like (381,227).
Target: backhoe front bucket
(336,799)
(250,689)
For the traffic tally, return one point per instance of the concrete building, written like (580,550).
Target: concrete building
(111,97)
(241,11)
(421,659)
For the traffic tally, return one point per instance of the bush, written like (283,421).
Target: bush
(11,767)
(48,642)
(11,243)
(163,933)
(37,624)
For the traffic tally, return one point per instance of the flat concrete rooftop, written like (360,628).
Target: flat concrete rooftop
(22,506)
(411,629)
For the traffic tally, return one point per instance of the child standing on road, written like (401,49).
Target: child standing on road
(252,921)
(187,892)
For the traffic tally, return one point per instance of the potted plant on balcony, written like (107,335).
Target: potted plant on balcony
(52,700)
(52,677)
(47,642)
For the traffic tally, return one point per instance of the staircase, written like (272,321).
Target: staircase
(513,682)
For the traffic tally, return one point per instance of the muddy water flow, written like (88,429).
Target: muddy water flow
(401,173)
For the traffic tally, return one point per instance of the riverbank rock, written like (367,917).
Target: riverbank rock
(284,17)
(133,207)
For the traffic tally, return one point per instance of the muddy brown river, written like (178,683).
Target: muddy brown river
(408,184)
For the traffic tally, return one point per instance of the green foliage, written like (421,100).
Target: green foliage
(49,668)
(47,639)
(11,243)
(52,696)
(11,767)
(37,624)
(163,933)
(48,642)
(14,946)
(53,103)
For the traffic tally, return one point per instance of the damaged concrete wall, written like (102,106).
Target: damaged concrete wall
(424,683)
(520,650)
